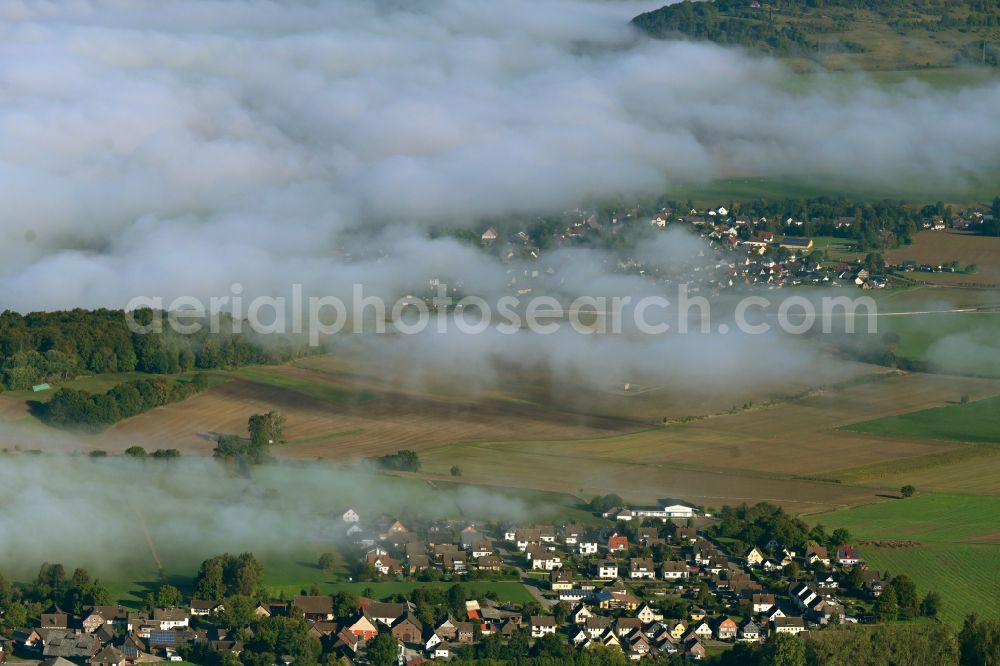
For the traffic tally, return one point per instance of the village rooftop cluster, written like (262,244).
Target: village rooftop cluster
(653,582)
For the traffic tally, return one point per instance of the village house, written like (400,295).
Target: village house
(848,556)
(542,625)
(677,629)
(649,536)
(597,626)
(464,632)
(27,638)
(69,644)
(702,630)
(616,600)
(816,554)
(454,562)
(170,618)
(617,543)
(379,560)
(54,620)
(408,629)
(749,631)
(386,613)
(315,608)
(362,627)
(481,548)
(524,538)
(773,613)
(489,563)
(825,580)
(108,656)
(580,615)
(588,545)
(560,580)
(873,584)
(788,625)
(674,570)
(695,650)
(725,630)
(640,567)
(761,603)
(606,570)
(204,607)
(804,597)
(542,559)
(647,615)
(570,535)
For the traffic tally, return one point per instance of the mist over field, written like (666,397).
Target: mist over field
(177,148)
(115,512)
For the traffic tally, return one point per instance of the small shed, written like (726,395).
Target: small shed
(38,388)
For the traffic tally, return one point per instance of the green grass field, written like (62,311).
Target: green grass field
(512,591)
(959,342)
(961,545)
(304,386)
(977,422)
(964,575)
(104,383)
(935,518)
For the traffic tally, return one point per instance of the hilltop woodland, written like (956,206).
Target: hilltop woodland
(43,347)
(802,27)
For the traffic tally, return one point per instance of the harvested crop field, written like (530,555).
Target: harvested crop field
(499,464)
(974,475)
(347,428)
(940,247)
(786,452)
(790,438)
(12,408)
(650,399)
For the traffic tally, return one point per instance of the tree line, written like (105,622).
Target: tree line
(79,410)
(56,346)
(52,587)
(265,430)
(403,461)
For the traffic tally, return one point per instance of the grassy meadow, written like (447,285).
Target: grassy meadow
(959,546)
(103,383)
(977,422)
(511,591)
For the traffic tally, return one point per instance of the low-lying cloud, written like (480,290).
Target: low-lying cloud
(178,148)
(109,513)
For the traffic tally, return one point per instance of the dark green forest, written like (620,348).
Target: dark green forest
(57,346)
(74,409)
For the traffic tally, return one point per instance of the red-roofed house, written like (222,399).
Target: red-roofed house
(848,555)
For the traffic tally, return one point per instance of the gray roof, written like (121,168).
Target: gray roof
(64,643)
